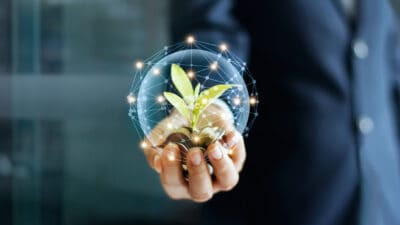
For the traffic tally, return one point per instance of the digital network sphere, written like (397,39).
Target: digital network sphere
(205,64)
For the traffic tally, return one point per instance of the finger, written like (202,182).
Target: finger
(157,164)
(171,173)
(200,185)
(214,115)
(224,169)
(226,121)
(236,149)
(152,155)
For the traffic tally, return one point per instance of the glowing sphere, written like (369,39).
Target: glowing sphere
(202,66)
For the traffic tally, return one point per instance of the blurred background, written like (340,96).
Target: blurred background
(68,152)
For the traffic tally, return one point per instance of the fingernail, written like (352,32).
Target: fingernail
(171,146)
(232,140)
(216,153)
(157,164)
(171,149)
(171,156)
(195,158)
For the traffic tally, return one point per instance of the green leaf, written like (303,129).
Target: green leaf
(181,81)
(197,91)
(178,103)
(206,98)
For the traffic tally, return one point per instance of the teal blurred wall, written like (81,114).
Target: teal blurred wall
(68,152)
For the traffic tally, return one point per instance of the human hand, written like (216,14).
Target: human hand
(226,156)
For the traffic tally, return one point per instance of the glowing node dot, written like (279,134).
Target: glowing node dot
(139,65)
(144,145)
(223,47)
(230,151)
(171,156)
(214,66)
(160,99)
(170,126)
(196,139)
(190,40)
(156,71)
(190,74)
(236,101)
(131,99)
(253,100)
(204,101)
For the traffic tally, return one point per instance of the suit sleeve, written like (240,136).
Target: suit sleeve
(209,21)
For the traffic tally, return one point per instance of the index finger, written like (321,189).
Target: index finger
(151,154)
(236,149)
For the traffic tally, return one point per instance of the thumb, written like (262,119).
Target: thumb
(165,127)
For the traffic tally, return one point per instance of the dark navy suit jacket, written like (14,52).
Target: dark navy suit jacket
(325,148)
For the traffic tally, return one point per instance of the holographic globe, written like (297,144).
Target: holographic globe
(210,70)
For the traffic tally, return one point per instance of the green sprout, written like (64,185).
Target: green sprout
(193,102)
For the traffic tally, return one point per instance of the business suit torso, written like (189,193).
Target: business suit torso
(325,148)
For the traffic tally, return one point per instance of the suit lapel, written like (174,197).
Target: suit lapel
(341,12)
